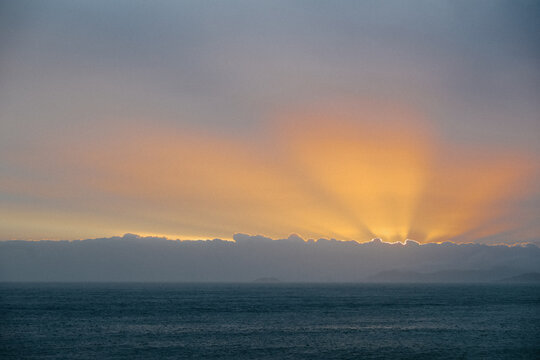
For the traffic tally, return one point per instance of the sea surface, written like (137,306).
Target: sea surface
(269,321)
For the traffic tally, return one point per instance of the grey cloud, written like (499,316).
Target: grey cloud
(245,238)
(135,258)
(230,64)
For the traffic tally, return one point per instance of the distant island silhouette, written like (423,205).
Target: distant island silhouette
(267,280)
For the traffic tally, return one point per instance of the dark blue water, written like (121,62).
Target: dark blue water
(267,321)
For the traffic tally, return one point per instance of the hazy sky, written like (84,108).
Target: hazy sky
(200,119)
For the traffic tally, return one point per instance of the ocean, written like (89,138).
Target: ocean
(268,321)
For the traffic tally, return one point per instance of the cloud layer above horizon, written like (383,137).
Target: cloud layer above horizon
(348,121)
(248,258)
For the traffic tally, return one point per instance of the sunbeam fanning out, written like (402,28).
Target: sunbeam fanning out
(346,120)
(396,179)
(352,170)
(373,162)
(274,166)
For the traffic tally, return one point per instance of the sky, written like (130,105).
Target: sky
(201,119)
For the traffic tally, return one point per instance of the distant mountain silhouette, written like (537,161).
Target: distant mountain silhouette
(135,258)
(523,278)
(446,276)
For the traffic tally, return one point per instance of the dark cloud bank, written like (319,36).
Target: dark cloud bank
(134,258)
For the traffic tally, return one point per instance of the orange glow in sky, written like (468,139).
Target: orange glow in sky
(344,171)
